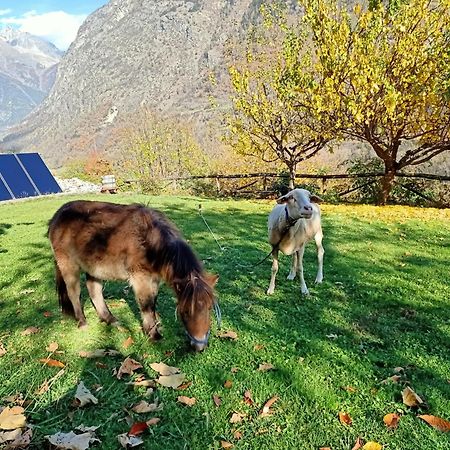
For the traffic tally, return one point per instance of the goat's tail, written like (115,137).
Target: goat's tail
(63,295)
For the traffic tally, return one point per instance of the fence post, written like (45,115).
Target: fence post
(218,185)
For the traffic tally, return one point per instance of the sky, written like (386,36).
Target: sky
(55,20)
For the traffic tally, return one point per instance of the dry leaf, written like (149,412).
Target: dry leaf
(99,353)
(184,386)
(128,367)
(164,369)
(228,335)
(264,367)
(128,342)
(6,436)
(410,398)
(51,362)
(258,347)
(248,398)
(2,349)
(399,369)
(358,444)
(225,444)
(129,441)
(172,381)
(84,395)
(344,418)
(30,330)
(237,435)
(47,314)
(228,384)
(391,420)
(145,383)
(234,369)
(85,429)
(21,440)
(237,417)
(188,401)
(144,407)
(72,441)
(393,379)
(52,347)
(217,400)
(372,446)
(45,386)
(325,448)
(266,408)
(138,428)
(12,418)
(349,389)
(153,421)
(436,422)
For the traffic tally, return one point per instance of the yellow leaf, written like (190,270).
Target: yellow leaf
(12,418)
(436,422)
(372,446)
(391,420)
(345,418)
(410,398)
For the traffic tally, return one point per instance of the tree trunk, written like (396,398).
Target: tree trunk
(387,183)
(292,173)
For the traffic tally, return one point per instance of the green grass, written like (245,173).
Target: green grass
(386,296)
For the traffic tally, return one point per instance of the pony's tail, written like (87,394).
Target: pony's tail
(63,295)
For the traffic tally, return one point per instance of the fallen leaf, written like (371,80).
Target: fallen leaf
(128,367)
(129,441)
(85,429)
(217,400)
(344,418)
(45,386)
(349,389)
(12,418)
(234,369)
(145,383)
(228,335)
(84,396)
(52,347)
(358,444)
(30,330)
(99,353)
(325,448)
(184,386)
(436,422)
(172,381)
(265,367)
(372,446)
(399,369)
(410,398)
(392,379)
(188,401)
(258,347)
(248,398)
(391,420)
(101,365)
(72,441)
(266,408)
(128,342)
(47,314)
(138,428)
(236,417)
(225,444)
(6,436)
(164,369)
(153,421)
(228,384)
(332,336)
(21,440)
(237,435)
(2,349)
(145,407)
(51,362)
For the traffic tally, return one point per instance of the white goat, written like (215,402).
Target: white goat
(292,224)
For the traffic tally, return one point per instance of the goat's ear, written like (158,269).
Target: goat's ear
(315,198)
(284,199)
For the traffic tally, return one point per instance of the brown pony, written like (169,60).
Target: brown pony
(109,241)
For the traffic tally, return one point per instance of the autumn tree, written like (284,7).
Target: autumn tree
(271,117)
(385,77)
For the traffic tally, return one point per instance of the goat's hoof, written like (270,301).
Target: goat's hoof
(270,291)
(291,276)
(318,280)
(305,291)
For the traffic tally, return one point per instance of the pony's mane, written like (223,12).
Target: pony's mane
(196,292)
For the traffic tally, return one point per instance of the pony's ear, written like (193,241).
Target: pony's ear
(284,198)
(315,198)
(212,279)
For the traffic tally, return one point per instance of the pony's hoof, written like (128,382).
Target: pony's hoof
(156,336)
(82,326)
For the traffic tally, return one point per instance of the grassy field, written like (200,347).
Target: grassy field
(384,304)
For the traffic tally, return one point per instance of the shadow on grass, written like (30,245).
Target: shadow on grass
(368,317)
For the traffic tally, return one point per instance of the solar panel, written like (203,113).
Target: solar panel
(4,193)
(14,176)
(39,173)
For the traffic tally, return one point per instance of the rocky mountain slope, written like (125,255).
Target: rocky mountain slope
(130,55)
(27,72)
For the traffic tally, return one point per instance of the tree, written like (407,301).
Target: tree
(267,121)
(385,77)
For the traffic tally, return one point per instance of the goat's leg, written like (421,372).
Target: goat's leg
(94,286)
(320,251)
(146,290)
(303,286)
(294,266)
(274,271)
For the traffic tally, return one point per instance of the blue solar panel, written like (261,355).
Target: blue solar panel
(4,193)
(39,173)
(15,177)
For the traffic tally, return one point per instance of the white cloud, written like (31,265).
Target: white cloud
(4,11)
(58,27)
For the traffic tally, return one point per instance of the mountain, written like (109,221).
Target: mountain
(131,55)
(27,71)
